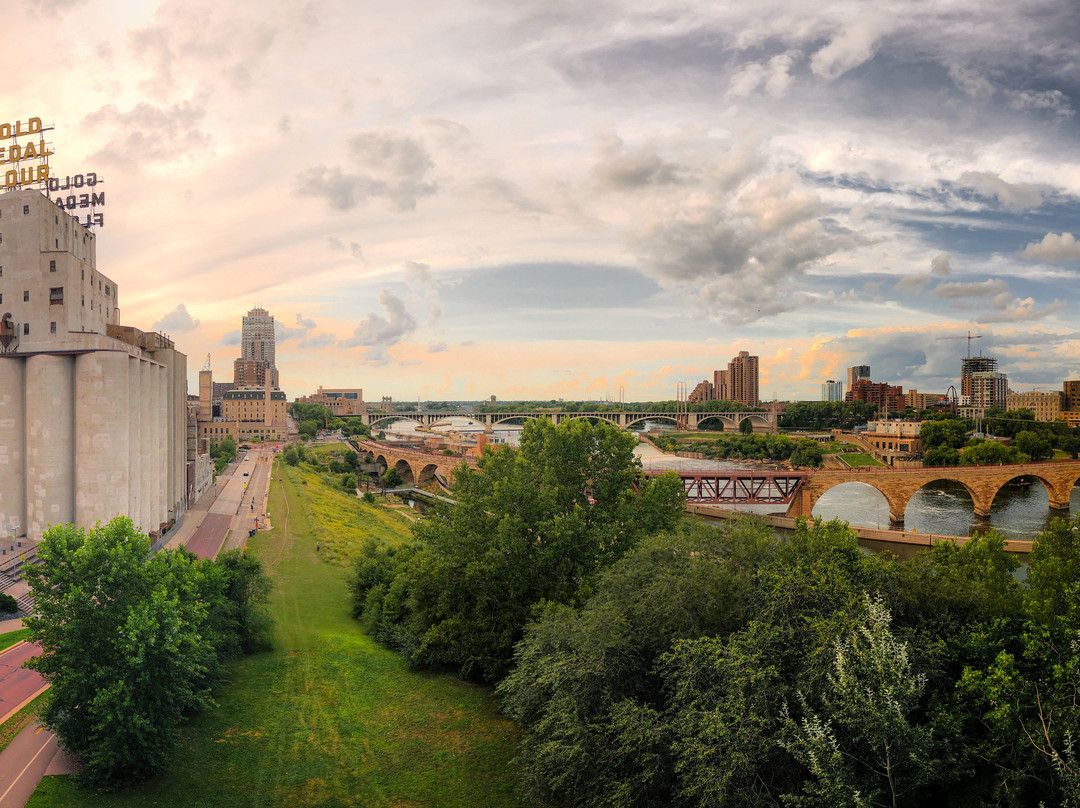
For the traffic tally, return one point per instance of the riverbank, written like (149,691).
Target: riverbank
(906,537)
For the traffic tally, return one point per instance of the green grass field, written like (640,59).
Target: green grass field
(12,637)
(859,460)
(328,718)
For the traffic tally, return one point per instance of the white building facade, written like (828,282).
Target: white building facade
(92,414)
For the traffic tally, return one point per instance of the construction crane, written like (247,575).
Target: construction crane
(969,338)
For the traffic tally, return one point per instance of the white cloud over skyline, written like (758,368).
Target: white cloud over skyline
(470,199)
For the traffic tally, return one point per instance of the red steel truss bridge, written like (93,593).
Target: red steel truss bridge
(737,486)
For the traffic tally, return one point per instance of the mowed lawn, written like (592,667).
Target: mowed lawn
(328,718)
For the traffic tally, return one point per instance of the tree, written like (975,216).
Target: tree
(530,525)
(948,432)
(745,427)
(1034,445)
(941,456)
(807,453)
(988,453)
(247,589)
(8,604)
(129,648)
(862,742)
(391,478)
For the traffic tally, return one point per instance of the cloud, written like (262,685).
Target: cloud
(1053,100)
(389,166)
(979,289)
(850,48)
(417,273)
(317,341)
(437,347)
(622,170)
(971,82)
(1053,248)
(176,321)
(1015,196)
(741,248)
(912,284)
(149,133)
(231,338)
(284,333)
(1014,311)
(378,333)
(939,264)
(774,77)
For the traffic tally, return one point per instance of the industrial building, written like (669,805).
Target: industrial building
(93,414)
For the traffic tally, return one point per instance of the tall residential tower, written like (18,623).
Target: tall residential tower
(256,351)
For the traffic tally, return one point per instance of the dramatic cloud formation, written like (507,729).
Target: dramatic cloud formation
(1053,248)
(176,321)
(543,197)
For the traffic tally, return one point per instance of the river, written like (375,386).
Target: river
(945,508)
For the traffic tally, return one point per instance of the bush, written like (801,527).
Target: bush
(8,604)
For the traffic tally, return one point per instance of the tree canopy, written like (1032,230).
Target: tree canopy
(134,642)
(530,525)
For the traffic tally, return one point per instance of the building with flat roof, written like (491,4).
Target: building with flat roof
(340,400)
(887,397)
(93,414)
(1045,406)
(832,390)
(742,379)
(988,389)
(969,366)
(257,351)
(857,372)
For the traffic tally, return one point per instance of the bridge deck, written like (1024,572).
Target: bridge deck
(738,486)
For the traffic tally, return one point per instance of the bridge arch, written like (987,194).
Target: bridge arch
(403,416)
(427,472)
(825,506)
(405,470)
(516,417)
(651,417)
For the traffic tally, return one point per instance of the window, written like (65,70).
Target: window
(52,266)
(84,274)
(57,243)
(108,291)
(1,298)
(84,301)
(25,296)
(56,295)
(52,328)
(26,329)
(25,210)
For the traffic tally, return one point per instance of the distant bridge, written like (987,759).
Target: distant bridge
(760,421)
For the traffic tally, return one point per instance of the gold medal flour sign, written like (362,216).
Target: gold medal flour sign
(24,155)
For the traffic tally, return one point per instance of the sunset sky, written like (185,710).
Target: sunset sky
(551,199)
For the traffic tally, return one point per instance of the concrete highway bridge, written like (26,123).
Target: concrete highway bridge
(759,420)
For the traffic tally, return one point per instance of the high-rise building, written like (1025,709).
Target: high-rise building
(720,385)
(1071,395)
(888,398)
(832,391)
(856,372)
(988,389)
(742,379)
(702,392)
(93,414)
(256,351)
(970,365)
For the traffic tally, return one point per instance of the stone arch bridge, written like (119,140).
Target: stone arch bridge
(414,465)
(899,485)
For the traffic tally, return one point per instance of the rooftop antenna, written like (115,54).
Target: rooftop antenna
(206,365)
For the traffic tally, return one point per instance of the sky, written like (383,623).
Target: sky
(577,199)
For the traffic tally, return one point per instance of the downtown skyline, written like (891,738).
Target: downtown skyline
(554,199)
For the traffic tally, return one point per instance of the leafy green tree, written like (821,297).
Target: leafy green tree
(247,590)
(860,736)
(391,478)
(8,603)
(948,432)
(1033,444)
(291,456)
(309,429)
(988,453)
(941,456)
(129,649)
(530,525)
(746,427)
(348,483)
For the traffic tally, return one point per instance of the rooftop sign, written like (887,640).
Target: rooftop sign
(24,154)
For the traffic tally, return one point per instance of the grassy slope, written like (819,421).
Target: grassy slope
(12,637)
(328,718)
